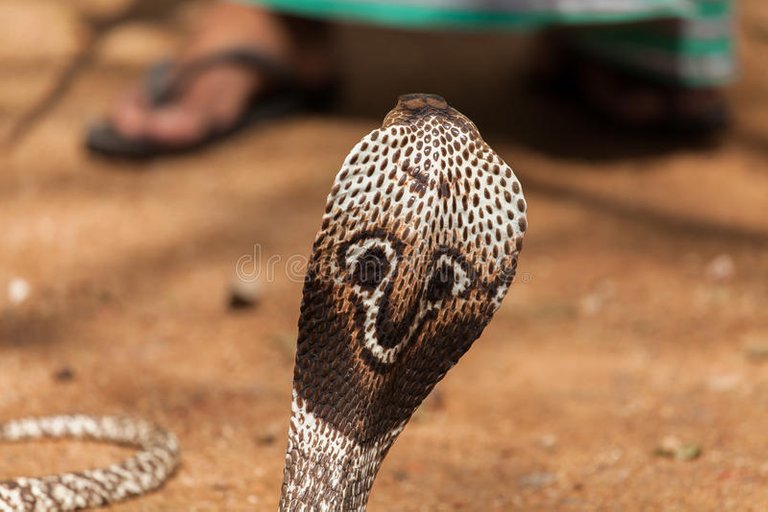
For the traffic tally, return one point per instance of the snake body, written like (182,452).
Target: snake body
(417,248)
(155,461)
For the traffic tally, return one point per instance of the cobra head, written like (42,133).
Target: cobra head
(418,245)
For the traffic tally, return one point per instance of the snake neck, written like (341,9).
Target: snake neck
(326,470)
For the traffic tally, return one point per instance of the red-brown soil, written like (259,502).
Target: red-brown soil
(639,314)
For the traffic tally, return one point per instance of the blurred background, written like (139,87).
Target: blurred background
(626,370)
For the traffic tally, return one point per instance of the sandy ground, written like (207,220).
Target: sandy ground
(639,314)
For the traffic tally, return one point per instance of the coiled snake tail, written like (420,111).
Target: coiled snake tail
(156,459)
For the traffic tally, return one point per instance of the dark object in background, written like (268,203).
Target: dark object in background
(163,85)
(243,294)
(64,374)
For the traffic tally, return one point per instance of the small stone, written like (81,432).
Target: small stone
(721,268)
(756,348)
(724,382)
(548,441)
(595,301)
(401,476)
(757,353)
(64,374)
(591,304)
(105,296)
(188,481)
(672,447)
(227,432)
(537,479)
(689,452)
(244,294)
(266,439)
(435,401)
(18,290)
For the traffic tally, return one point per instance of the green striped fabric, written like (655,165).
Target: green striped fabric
(695,50)
(688,42)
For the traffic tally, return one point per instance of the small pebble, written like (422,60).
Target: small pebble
(435,401)
(721,268)
(536,479)
(64,374)
(724,382)
(548,441)
(266,439)
(18,290)
(757,352)
(401,476)
(595,301)
(672,447)
(244,294)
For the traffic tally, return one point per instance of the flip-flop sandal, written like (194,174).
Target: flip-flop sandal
(163,84)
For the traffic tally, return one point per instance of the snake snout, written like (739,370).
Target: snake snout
(420,101)
(419,108)
(414,106)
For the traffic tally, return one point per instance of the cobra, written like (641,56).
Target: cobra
(418,245)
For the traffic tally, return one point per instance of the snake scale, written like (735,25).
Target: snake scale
(418,245)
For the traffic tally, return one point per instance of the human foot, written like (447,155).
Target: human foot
(239,53)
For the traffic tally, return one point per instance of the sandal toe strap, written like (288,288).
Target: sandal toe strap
(164,81)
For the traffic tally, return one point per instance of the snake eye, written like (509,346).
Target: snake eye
(368,263)
(449,278)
